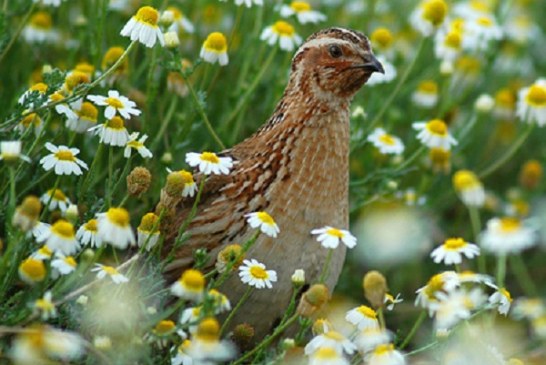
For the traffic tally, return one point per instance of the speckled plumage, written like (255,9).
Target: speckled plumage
(295,167)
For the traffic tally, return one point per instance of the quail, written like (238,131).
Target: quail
(296,168)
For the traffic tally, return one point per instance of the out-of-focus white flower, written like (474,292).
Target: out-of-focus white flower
(362,317)
(190,286)
(386,143)
(215,48)
(434,134)
(303,11)
(103,271)
(531,105)
(502,300)
(426,95)
(330,237)
(143,27)
(281,32)
(114,227)
(389,73)
(506,236)
(429,16)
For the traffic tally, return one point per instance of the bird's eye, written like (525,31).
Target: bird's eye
(335,51)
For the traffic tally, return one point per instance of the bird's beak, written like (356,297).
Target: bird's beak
(373,65)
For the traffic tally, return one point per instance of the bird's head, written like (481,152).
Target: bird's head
(333,63)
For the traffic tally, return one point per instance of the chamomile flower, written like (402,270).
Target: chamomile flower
(521,28)
(190,286)
(362,317)
(104,270)
(148,231)
(63,160)
(383,40)
(480,31)
(385,354)
(391,301)
(444,282)
(10,151)
(27,214)
(330,237)
(502,300)
(429,16)
(452,251)
(469,188)
(115,103)
(264,222)
(43,253)
(45,306)
(386,143)
(32,271)
(138,145)
(255,274)
(209,163)
(54,199)
(281,32)
(182,357)
(40,29)
(87,234)
(448,45)
(39,89)
(332,339)
(249,3)
(221,302)
(114,227)
(64,265)
(206,346)
(86,115)
(434,134)
(529,308)
(112,133)
(303,11)
(190,316)
(180,23)
(452,307)
(531,105)
(507,235)
(369,338)
(61,238)
(214,49)
(30,120)
(505,105)
(326,355)
(143,27)
(190,187)
(426,95)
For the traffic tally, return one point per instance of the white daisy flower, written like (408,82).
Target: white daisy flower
(469,188)
(11,151)
(206,346)
(87,234)
(115,103)
(182,357)
(332,339)
(32,271)
(480,31)
(303,11)
(214,49)
(45,306)
(446,281)
(248,3)
(39,29)
(521,28)
(434,134)
(54,3)
(426,95)
(221,302)
(138,144)
(452,307)
(104,270)
(55,199)
(531,104)
(327,356)
(60,238)
(143,27)
(112,133)
(114,227)
(190,316)
(453,250)
(385,354)
(148,231)
(43,253)
(180,23)
(386,143)
(63,160)
(190,286)
(389,73)
(281,32)
(254,274)
(190,187)
(64,265)
(209,163)
(38,89)
(507,235)
(85,116)
(429,16)
(330,237)
(362,317)
(468,276)
(528,308)
(448,45)
(502,300)
(369,338)
(264,222)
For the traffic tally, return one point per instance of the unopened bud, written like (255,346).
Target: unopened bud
(531,174)
(171,39)
(27,214)
(167,158)
(288,344)
(208,329)
(298,278)
(484,103)
(166,18)
(175,184)
(313,299)
(242,335)
(71,214)
(321,325)
(375,288)
(138,181)
(229,254)
(82,300)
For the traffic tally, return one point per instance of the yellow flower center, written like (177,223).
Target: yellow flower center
(31,118)
(56,97)
(384,349)
(282,28)
(76,78)
(193,279)
(58,195)
(216,42)
(40,87)
(88,111)
(457,25)
(387,139)
(210,157)
(63,228)
(148,15)
(258,273)
(44,250)
(69,260)
(367,312)
(509,224)
(485,22)
(453,40)
(118,216)
(187,177)
(334,232)
(506,98)
(111,56)
(135,144)
(436,283)
(91,225)
(115,123)
(85,67)
(382,37)
(505,293)
(298,6)
(454,244)
(149,221)
(208,329)
(164,327)
(65,155)
(41,20)
(44,305)
(336,336)
(480,6)
(468,64)
(464,179)
(435,11)
(177,14)
(438,127)
(110,270)
(428,87)
(265,218)
(33,269)
(326,353)
(116,103)
(31,206)
(536,96)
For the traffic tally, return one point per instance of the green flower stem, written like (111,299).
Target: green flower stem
(501,270)
(12,193)
(381,318)
(398,87)
(266,341)
(523,276)
(422,349)
(203,114)
(243,299)
(326,268)
(291,305)
(467,127)
(91,172)
(476,224)
(410,159)
(165,122)
(123,175)
(508,154)
(414,329)
(18,31)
